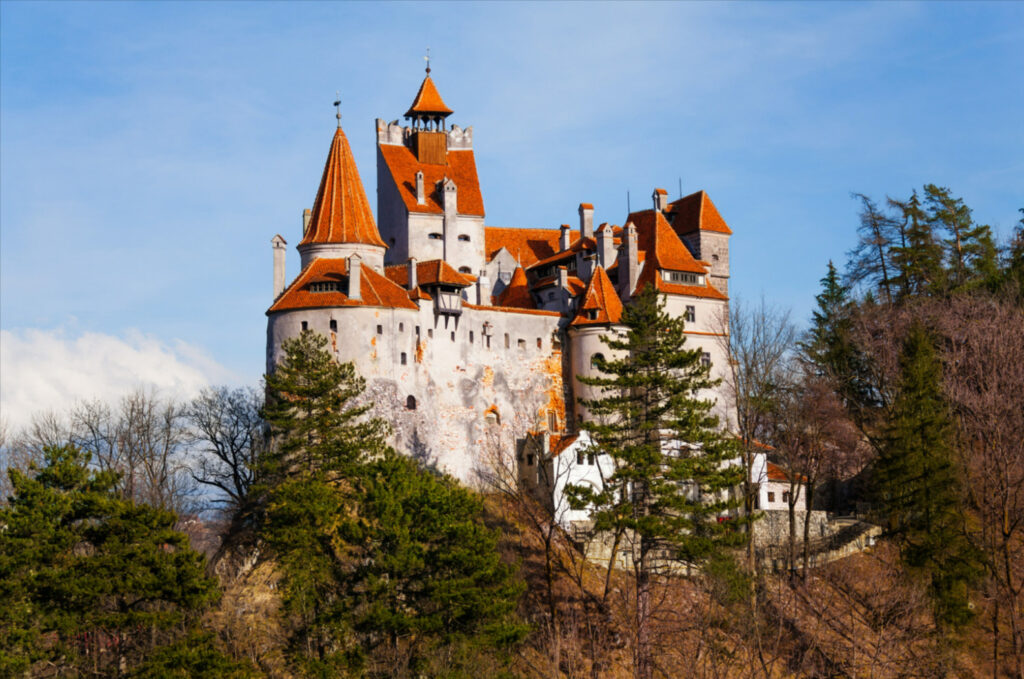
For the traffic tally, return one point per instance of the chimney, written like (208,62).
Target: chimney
(629,266)
(355,274)
(307,215)
(411,270)
(280,249)
(421,197)
(660,197)
(586,220)
(563,289)
(564,237)
(605,246)
(450,199)
(483,289)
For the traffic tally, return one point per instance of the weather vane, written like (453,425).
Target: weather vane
(337,106)
(427,58)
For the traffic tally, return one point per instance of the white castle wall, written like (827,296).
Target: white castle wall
(454,381)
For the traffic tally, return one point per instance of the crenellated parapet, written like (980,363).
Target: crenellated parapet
(396,134)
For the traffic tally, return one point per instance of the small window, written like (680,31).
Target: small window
(470,336)
(417,331)
(540,344)
(595,359)
(465,269)
(453,335)
(785,496)
(391,240)
(410,403)
(464,238)
(487,341)
(430,333)
(552,420)
(529,460)
(691,313)
(714,258)
(305,326)
(507,339)
(435,236)
(771,496)
(380,329)
(705,359)
(579,457)
(591,459)
(334,325)
(521,343)
(404,359)
(401,327)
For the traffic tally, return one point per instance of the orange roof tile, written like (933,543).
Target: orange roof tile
(429,272)
(707,290)
(341,213)
(578,245)
(517,292)
(661,192)
(528,246)
(375,289)
(601,304)
(428,100)
(510,310)
(460,168)
(663,247)
(576,285)
(777,473)
(696,212)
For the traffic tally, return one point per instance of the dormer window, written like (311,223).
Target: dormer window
(324,286)
(682,277)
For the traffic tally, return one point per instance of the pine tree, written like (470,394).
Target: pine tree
(88,580)
(971,257)
(918,484)
(672,473)
(871,260)
(919,262)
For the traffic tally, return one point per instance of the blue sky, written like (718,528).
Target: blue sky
(148,152)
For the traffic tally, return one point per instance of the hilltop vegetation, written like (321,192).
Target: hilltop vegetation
(318,551)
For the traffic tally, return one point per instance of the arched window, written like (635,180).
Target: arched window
(595,359)
(410,403)
(435,236)
(465,269)
(464,238)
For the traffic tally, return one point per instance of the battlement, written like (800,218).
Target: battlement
(396,134)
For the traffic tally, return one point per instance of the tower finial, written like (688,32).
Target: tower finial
(427,58)
(337,106)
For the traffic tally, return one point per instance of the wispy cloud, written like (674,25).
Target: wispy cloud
(50,370)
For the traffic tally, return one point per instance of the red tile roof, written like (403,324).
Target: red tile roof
(428,100)
(528,246)
(375,289)
(510,310)
(601,304)
(576,285)
(777,473)
(430,272)
(578,245)
(460,168)
(341,213)
(663,247)
(696,212)
(517,292)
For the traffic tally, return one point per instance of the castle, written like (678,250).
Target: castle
(470,336)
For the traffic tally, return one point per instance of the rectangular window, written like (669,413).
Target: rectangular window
(540,345)
(334,325)
(417,331)
(529,460)
(771,496)
(305,325)
(380,329)
(487,339)
(453,335)
(705,359)
(691,314)
(785,496)
(591,459)
(404,360)
(507,340)
(579,457)
(552,420)
(430,333)
(470,336)
(521,344)
(401,327)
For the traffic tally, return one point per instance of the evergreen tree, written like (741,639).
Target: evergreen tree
(1013,269)
(387,568)
(672,473)
(971,257)
(313,422)
(90,581)
(871,261)
(919,261)
(918,484)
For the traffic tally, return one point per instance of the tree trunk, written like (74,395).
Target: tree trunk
(807,527)
(643,666)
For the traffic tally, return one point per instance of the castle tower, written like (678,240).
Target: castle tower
(429,204)
(698,223)
(341,222)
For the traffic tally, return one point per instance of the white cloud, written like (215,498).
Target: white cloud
(50,370)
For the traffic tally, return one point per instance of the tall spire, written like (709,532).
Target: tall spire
(341,212)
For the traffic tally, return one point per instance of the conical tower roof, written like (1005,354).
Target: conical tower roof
(517,293)
(601,305)
(341,212)
(428,101)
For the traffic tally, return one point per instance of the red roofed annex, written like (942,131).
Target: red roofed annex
(467,333)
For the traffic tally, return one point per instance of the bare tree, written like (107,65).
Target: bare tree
(226,427)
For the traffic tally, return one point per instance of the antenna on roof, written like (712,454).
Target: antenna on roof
(337,106)
(680,187)
(427,58)
(629,210)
